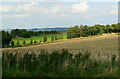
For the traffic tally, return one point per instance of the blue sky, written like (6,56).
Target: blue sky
(57,14)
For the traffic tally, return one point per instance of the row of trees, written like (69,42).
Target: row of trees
(72,32)
(84,31)
(7,36)
(26,34)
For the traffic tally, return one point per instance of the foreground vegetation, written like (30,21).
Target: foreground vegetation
(57,64)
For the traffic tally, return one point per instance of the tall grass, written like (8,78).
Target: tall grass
(56,64)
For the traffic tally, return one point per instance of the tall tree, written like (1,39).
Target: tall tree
(6,38)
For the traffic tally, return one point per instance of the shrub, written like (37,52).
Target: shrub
(12,43)
(52,37)
(56,38)
(18,42)
(45,38)
(35,42)
(24,42)
(31,42)
(40,40)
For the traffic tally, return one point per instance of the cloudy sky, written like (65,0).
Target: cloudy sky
(57,14)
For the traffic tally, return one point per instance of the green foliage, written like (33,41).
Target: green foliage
(56,38)
(12,43)
(37,38)
(52,37)
(26,34)
(31,42)
(6,38)
(18,42)
(84,31)
(35,42)
(58,63)
(24,42)
(45,38)
(15,32)
(40,41)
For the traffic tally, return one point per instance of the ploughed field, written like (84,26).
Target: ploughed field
(105,45)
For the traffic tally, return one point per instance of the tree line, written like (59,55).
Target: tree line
(85,31)
(7,39)
(72,32)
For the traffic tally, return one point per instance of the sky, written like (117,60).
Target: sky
(24,15)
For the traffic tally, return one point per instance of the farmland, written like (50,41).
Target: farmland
(106,45)
(94,56)
(37,38)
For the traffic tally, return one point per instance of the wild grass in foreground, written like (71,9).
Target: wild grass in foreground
(57,64)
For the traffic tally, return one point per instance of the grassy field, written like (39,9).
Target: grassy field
(57,64)
(37,38)
(86,56)
(106,45)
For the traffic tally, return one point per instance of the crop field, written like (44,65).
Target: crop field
(106,45)
(37,38)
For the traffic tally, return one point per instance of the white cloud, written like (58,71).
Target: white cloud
(6,8)
(15,16)
(64,15)
(20,8)
(60,8)
(89,16)
(81,7)
(110,11)
(28,7)
(114,11)
(35,7)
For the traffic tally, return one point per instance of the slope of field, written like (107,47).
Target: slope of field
(106,45)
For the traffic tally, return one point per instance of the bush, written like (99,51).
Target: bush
(56,38)
(40,41)
(45,38)
(24,42)
(31,42)
(35,42)
(12,43)
(18,42)
(52,37)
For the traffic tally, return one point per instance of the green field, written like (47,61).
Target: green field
(37,38)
